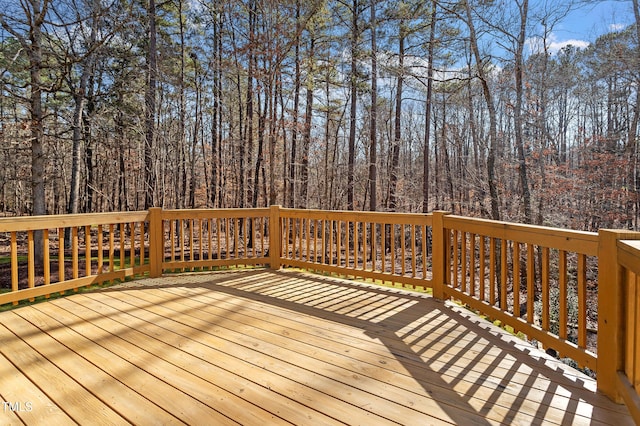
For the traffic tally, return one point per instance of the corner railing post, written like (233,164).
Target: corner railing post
(275,237)
(156,242)
(610,314)
(439,254)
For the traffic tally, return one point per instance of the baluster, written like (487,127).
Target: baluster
(632,297)
(99,243)
(531,289)
(201,239)
(142,257)
(236,236)
(14,262)
(403,249)
(74,252)
(463,259)
(218,238)
(339,243)
(516,279)
(425,250)
(545,288)
(582,300)
(112,247)
(226,237)
(482,265)
(132,244)
(122,249)
(31,262)
(492,271)
(61,271)
(210,239)
(472,264)
(192,244)
(562,293)
(413,251)
(172,237)
(46,258)
(383,246)
(308,238)
(504,247)
(392,233)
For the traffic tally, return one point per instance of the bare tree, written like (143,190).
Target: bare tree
(482,69)
(427,114)
(150,108)
(373,127)
(27,29)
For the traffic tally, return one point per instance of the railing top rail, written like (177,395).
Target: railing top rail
(34,223)
(361,216)
(214,213)
(575,241)
(628,255)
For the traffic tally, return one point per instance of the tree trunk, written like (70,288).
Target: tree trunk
(491,109)
(427,113)
(354,104)
(216,124)
(306,138)
(397,133)
(36,11)
(80,100)
(92,170)
(517,113)
(150,109)
(194,141)
(296,106)
(76,152)
(373,132)
(248,139)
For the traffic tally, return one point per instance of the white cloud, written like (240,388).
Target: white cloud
(553,44)
(617,27)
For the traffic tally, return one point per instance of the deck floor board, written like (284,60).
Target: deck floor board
(24,395)
(258,346)
(286,336)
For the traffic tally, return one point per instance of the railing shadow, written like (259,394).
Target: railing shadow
(468,366)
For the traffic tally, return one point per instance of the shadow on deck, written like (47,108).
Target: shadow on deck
(264,346)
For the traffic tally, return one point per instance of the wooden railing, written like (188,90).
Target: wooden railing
(536,280)
(619,318)
(384,247)
(73,251)
(205,239)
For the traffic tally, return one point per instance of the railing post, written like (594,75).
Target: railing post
(156,242)
(438,255)
(610,313)
(275,237)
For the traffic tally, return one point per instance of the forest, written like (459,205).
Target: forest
(385,105)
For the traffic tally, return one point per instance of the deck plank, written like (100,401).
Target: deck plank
(68,394)
(87,364)
(422,373)
(268,347)
(177,391)
(256,358)
(202,352)
(357,363)
(482,357)
(284,343)
(34,407)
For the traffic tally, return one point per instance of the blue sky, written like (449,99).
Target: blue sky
(584,24)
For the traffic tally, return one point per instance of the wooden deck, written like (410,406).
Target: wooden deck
(264,347)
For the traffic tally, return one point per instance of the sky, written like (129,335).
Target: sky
(584,24)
